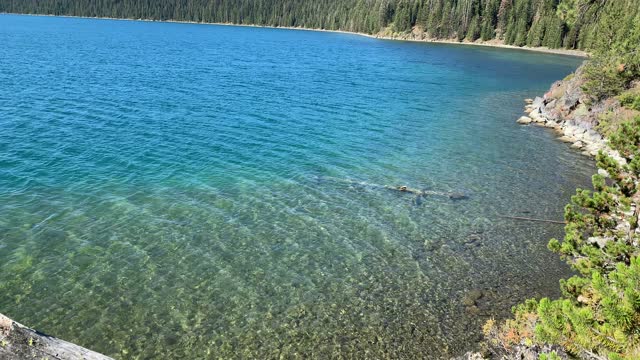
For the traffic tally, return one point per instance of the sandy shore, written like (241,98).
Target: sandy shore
(408,37)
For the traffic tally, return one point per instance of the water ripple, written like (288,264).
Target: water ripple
(219,190)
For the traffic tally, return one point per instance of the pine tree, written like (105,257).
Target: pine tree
(402,18)
(489,20)
(473,32)
(385,14)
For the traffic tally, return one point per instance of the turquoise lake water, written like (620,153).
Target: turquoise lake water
(188,191)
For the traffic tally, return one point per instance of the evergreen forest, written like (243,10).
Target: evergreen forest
(572,24)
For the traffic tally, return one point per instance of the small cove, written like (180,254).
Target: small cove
(178,190)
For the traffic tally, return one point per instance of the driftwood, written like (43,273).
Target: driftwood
(450,195)
(19,342)
(533,219)
(399,188)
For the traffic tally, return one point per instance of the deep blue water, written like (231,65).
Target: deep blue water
(190,191)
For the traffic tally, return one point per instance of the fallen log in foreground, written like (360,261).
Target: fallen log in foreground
(19,342)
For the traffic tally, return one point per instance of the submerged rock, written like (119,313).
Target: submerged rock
(472,297)
(457,196)
(473,310)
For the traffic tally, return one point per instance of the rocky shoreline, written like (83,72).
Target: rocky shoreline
(568,111)
(586,124)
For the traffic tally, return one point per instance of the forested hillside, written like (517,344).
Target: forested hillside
(552,23)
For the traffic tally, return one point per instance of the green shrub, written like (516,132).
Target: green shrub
(630,100)
(550,356)
(599,313)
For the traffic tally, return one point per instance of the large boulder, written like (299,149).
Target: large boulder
(569,101)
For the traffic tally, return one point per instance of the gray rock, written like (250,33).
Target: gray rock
(593,149)
(599,240)
(577,145)
(550,105)
(623,226)
(592,135)
(552,124)
(524,120)
(553,114)
(536,117)
(570,100)
(573,130)
(616,156)
(537,102)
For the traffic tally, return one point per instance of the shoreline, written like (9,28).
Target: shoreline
(20,342)
(410,37)
(489,44)
(562,109)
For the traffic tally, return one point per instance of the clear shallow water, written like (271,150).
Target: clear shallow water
(190,191)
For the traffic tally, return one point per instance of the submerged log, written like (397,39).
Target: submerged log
(20,342)
(450,195)
(399,188)
(533,219)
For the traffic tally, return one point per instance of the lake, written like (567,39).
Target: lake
(187,191)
